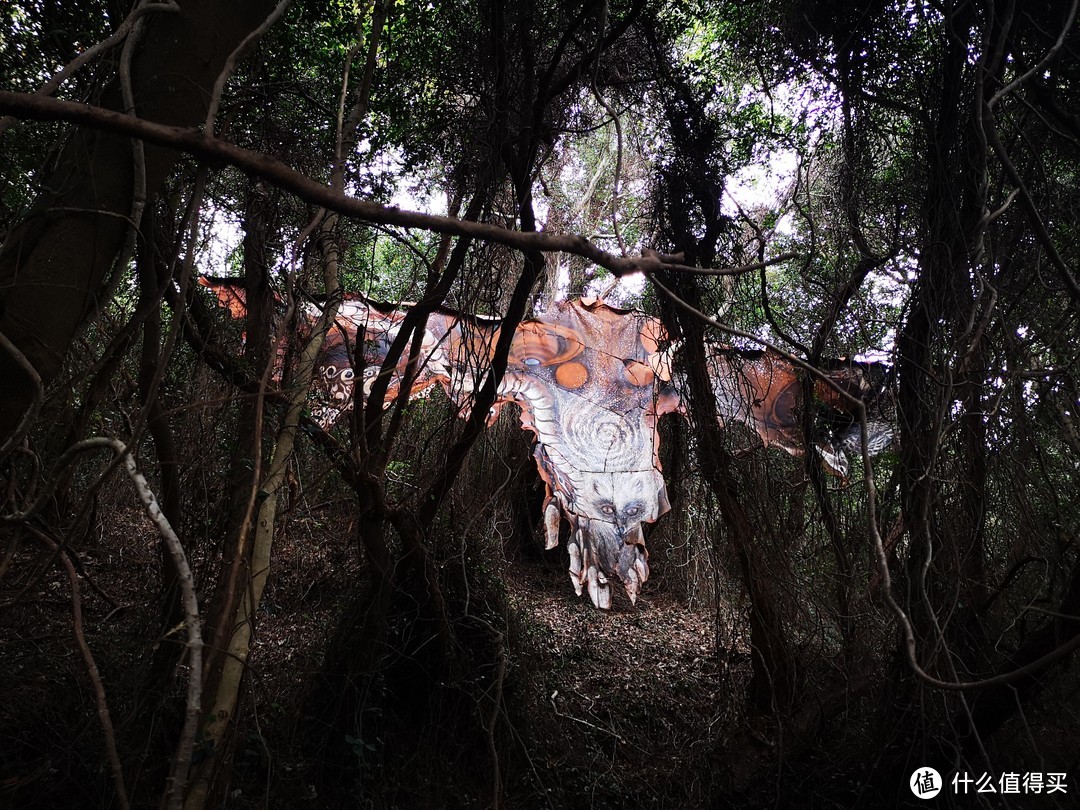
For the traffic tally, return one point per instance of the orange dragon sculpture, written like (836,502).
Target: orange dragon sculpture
(591,382)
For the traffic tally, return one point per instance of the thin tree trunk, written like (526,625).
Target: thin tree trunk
(773,685)
(232,607)
(151,287)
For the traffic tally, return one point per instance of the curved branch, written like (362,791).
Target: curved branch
(192,622)
(234,57)
(102,703)
(285,177)
(1034,217)
(35,401)
(182,759)
(1070,18)
(65,72)
(728,271)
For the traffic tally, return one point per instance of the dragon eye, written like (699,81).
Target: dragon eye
(632,511)
(607,509)
(347,374)
(531,361)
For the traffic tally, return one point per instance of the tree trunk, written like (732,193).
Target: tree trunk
(55,265)
(993,706)
(928,348)
(773,686)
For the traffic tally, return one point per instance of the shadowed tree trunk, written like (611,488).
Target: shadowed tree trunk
(693,224)
(56,264)
(929,347)
(991,707)
(773,686)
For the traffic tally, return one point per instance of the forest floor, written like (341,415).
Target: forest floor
(605,709)
(617,708)
(624,705)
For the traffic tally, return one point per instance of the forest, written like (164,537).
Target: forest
(336,337)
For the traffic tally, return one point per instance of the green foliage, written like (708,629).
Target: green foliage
(36,39)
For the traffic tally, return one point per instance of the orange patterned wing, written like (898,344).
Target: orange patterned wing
(764,391)
(378,326)
(230,293)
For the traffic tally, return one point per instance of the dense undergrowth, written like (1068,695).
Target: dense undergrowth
(642,706)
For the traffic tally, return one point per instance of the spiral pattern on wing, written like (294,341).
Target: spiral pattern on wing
(594,438)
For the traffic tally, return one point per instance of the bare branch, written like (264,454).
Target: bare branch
(104,717)
(192,622)
(35,402)
(285,177)
(234,57)
(92,52)
(1050,54)
(726,271)
(1034,217)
